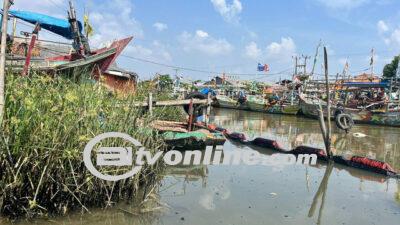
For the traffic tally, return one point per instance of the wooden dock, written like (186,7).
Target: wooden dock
(192,103)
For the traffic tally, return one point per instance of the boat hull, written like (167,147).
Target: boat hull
(375,118)
(73,64)
(228,103)
(359,116)
(274,109)
(192,140)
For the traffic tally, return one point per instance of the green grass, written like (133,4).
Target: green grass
(47,123)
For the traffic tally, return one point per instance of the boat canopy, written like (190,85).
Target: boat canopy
(58,26)
(367,84)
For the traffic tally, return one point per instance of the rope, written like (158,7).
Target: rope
(201,71)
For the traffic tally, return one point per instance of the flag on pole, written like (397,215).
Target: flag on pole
(87,26)
(262,68)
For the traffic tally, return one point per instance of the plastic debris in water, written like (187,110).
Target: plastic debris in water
(359,135)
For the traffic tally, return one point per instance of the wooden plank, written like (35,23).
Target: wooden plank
(172,103)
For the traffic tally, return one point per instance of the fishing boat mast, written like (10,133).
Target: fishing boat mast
(372,63)
(81,43)
(396,78)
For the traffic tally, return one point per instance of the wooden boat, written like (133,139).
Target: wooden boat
(310,107)
(259,104)
(194,140)
(256,103)
(82,59)
(224,101)
(177,136)
(71,64)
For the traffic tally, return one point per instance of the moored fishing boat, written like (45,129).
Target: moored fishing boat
(256,103)
(224,101)
(259,104)
(367,115)
(193,140)
(309,106)
(177,136)
(82,59)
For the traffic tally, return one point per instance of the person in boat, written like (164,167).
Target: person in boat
(274,99)
(382,96)
(242,98)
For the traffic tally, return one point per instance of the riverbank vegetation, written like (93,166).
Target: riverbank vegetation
(47,123)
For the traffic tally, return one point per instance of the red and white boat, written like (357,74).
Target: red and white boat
(80,59)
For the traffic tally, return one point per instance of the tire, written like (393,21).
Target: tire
(338,112)
(197,109)
(344,121)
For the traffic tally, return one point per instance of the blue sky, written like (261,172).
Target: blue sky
(232,36)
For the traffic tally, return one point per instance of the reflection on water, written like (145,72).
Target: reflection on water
(321,193)
(382,143)
(274,194)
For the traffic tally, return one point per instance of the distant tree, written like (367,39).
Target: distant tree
(390,69)
(165,82)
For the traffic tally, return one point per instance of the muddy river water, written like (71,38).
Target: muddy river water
(274,194)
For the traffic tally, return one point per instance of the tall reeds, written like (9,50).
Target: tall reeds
(47,123)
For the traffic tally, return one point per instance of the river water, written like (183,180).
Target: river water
(273,194)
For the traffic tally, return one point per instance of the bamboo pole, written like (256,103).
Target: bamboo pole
(4,23)
(150,103)
(326,129)
(328,102)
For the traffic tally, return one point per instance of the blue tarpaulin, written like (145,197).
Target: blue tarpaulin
(205,91)
(55,25)
(367,84)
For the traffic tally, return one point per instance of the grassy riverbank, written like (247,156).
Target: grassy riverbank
(47,123)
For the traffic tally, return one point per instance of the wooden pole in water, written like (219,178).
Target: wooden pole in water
(326,129)
(4,23)
(328,94)
(207,119)
(328,102)
(150,103)
(191,112)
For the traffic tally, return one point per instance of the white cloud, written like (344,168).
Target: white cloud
(54,8)
(230,12)
(283,50)
(253,34)
(139,50)
(201,34)
(382,27)
(390,36)
(202,42)
(343,4)
(252,50)
(50,7)
(394,38)
(160,26)
(106,27)
(157,52)
(161,51)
